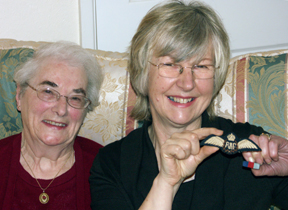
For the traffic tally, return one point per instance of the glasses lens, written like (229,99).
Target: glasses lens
(78,101)
(169,70)
(48,95)
(203,71)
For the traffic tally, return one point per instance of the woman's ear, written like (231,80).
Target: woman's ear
(18,98)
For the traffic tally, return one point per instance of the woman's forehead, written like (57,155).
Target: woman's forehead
(60,72)
(207,54)
(185,53)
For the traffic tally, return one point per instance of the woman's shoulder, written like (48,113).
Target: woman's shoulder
(6,142)
(239,128)
(9,141)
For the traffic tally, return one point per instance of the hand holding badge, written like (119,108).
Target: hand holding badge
(231,144)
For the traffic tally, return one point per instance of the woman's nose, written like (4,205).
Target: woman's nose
(61,106)
(186,79)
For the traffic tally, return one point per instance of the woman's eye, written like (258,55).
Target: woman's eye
(168,64)
(76,98)
(201,67)
(47,91)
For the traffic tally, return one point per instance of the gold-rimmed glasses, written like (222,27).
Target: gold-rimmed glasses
(173,70)
(50,95)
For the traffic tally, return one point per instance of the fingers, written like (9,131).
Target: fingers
(274,169)
(188,141)
(181,145)
(185,150)
(273,149)
(180,149)
(181,153)
(264,145)
(249,157)
(269,149)
(264,155)
(271,157)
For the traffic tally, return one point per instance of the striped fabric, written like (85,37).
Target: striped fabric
(256,91)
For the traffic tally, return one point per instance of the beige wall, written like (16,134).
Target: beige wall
(40,20)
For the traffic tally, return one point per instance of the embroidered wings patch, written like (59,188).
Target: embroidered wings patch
(230,144)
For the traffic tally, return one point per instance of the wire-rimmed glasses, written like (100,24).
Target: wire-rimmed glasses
(173,70)
(50,95)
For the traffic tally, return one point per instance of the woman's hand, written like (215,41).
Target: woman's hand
(179,157)
(181,154)
(273,158)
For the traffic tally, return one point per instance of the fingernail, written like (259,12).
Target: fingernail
(268,162)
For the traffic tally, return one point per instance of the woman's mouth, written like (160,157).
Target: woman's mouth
(181,100)
(54,123)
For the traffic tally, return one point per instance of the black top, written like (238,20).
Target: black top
(123,172)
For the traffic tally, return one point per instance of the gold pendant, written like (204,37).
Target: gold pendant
(43,198)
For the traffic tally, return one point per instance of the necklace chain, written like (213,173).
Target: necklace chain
(44,198)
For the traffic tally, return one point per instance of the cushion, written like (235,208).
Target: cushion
(10,119)
(110,121)
(256,91)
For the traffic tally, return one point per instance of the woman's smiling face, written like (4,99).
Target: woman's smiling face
(179,101)
(53,123)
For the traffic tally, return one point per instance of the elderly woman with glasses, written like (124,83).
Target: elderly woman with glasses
(47,165)
(178,62)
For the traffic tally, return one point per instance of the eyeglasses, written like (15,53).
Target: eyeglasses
(50,95)
(173,70)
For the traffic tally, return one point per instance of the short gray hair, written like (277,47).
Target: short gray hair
(73,55)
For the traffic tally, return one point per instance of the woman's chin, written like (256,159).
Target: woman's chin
(183,120)
(52,140)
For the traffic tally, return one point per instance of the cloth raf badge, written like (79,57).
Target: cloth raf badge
(230,144)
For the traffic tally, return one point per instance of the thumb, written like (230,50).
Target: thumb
(205,152)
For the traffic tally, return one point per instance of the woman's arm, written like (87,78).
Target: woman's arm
(179,157)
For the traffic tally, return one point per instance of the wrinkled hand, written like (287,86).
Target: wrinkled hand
(273,157)
(181,154)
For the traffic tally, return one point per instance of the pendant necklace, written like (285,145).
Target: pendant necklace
(44,197)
